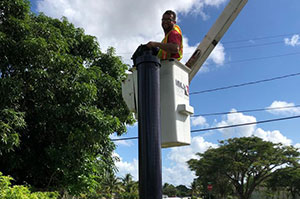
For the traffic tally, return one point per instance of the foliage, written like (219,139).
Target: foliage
(114,187)
(286,179)
(169,190)
(180,190)
(130,187)
(21,192)
(60,99)
(10,122)
(195,189)
(242,163)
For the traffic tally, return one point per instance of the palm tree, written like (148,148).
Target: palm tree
(112,186)
(130,187)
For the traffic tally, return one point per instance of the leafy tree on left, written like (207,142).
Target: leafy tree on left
(60,99)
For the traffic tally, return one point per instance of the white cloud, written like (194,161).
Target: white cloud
(126,167)
(249,130)
(297,146)
(218,55)
(294,41)
(179,156)
(272,136)
(199,121)
(125,24)
(283,111)
(216,58)
(237,118)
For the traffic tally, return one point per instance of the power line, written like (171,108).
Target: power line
(258,58)
(223,127)
(247,40)
(121,139)
(246,124)
(244,84)
(246,111)
(260,38)
(257,45)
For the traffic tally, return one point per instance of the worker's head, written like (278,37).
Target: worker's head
(168,20)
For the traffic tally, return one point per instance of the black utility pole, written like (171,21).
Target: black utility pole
(150,178)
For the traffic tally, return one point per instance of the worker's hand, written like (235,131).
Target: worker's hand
(151,44)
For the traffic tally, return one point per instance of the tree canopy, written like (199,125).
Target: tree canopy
(286,179)
(60,99)
(242,163)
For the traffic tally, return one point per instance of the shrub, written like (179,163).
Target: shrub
(7,191)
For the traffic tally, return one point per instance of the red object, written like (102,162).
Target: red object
(175,37)
(209,187)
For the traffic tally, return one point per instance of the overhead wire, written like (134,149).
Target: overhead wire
(224,127)
(258,58)
(123,139)
(256,45)
(247,40)
(246,111)
(246,124)
(245,84)
(260,38)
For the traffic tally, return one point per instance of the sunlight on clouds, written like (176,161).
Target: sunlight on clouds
(238,118)
(126,167)
(119,24)
(297,146)
(250,130)
(294,41)
(199,121)
(215,59)
(284,111)
(272,136)
(179,156)
(218,55)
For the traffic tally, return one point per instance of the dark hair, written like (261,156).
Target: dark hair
(170,12)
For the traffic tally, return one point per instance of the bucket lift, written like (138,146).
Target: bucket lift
(175,78)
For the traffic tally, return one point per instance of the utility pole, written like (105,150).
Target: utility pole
(150,174)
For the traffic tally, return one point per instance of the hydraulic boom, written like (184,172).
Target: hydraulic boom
(214,35)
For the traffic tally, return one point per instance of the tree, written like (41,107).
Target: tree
(169,190)
(60,99)
(244,162)
(111,186)
(195,189)
(130,188)
(183,191)
(286,179)
(17,191)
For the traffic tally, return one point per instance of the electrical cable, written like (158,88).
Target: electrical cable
(121,139)
(257,45)
(223,127)
(246,124)
(260,38)
(257,58)
(247,40)
(245,84)
(246,111)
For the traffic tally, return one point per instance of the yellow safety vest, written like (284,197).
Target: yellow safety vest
(164,54)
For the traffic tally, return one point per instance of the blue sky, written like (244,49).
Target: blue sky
(262,43)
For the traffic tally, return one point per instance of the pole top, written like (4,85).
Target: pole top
(145,54)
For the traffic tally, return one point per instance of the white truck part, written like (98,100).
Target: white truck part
(174,101)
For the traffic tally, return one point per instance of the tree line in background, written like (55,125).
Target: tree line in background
(60,100)
(241,166)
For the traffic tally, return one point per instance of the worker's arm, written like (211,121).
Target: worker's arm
(169,47)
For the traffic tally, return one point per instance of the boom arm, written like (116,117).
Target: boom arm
(214,35)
